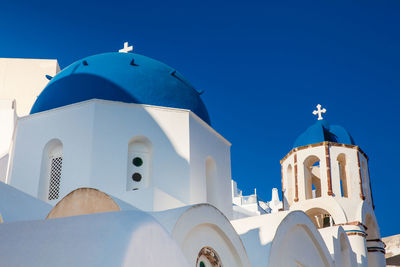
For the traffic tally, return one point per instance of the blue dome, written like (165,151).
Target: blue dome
(321,131)
(124,77)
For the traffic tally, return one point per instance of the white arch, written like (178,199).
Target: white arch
(297,235)
(312,176)
(365,212)
(328,204)
(203,225)
(339,245)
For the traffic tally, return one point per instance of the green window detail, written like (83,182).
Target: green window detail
(137,161)
(202,264)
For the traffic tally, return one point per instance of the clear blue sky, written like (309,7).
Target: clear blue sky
(264,65)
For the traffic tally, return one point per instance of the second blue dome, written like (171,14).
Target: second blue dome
(321,131)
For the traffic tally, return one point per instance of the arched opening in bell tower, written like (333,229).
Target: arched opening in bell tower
(312,177)
(341,159)
(320,217)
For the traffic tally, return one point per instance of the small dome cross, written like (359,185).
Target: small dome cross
(319,112)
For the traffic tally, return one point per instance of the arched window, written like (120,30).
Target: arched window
(312,176)
(139,162)
(211,181)
(289,184)
(51,172)
(341,159)
(320,217)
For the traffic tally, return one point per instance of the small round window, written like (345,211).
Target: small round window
(202,264)
(137,161)
(136,177)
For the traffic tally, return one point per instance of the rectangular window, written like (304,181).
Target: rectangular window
(55,177)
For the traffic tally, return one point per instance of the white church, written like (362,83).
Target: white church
(113,161)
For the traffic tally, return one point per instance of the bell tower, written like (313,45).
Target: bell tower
(326,175)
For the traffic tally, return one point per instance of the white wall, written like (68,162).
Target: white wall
(352,172)
(167,129)
(205,142)
(350,205)
(73,127)
(95,135)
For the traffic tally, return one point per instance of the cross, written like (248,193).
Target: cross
(319,111)
(126,48)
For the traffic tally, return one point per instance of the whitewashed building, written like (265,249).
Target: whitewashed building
(113,162)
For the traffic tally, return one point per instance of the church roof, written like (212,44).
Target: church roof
(123,238)
(16,205)
(321,131)
(125,77)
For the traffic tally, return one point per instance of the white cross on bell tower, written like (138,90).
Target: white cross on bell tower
(126,48)
(319,111)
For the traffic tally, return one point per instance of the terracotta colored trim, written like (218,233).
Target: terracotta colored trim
(283,199)
(375,240)
(376,249)
(356,223)
(296,198)
(350,146)
(359,173)
(328,169)
(301,148)
(320,144)
(355,233)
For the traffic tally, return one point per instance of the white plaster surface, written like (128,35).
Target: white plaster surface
(198,226)
(164,222)
(16,205)
(95,136)
(129,238)
(269,237)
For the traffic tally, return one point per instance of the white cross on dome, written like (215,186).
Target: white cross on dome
(319,112)
(126,48)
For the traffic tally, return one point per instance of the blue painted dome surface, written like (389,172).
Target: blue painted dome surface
(321,131)
(124,77)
